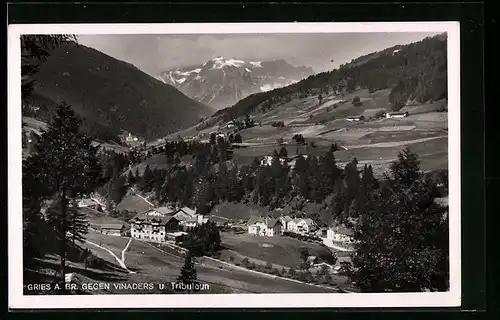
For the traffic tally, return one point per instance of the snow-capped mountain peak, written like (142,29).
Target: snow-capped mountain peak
(221,82)
(221,62)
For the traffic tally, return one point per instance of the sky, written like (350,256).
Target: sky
(154,54)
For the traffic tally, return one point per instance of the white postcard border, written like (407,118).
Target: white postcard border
(16,298)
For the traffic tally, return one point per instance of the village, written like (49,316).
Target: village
(168,226)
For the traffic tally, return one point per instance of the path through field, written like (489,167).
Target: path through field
(121,261)
(137,194)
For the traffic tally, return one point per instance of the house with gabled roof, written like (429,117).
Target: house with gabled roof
(306,225)
(339,233)
(112,229)
(149,226)
(284,221)
(302,225)
(261,226)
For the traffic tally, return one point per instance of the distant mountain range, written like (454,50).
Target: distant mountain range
(111,95)
(222,82)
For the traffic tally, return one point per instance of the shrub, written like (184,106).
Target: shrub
(269,265)
(299,139)
(251,266)
(379,114)
(356,101)
(278,124)
(245,262)
(231,258)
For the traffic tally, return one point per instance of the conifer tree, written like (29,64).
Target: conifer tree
(329,172)
(130,178)
(235,188)
(283,153)
(407,169)
(147,179)
(188,272)
(237,138)
(78,223)
(118,189)
(66,167)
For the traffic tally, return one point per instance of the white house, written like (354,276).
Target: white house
(152,228)
(305,225)
(292,225)
(264,226)
(284,221)
(392,115)
(131,138)
(268,161)
(339,233)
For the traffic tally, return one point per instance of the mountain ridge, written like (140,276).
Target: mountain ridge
(113,93)
(221,82)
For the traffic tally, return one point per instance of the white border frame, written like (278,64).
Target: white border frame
(17,300)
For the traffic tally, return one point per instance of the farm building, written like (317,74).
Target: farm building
(88,203)
(392,115)
(339,233)
(176,236)
(113,229)
(264,226)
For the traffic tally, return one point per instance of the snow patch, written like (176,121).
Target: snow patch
(181,80)
(272,86)
(187,73)
(256,64)
(248,70)
(220,63)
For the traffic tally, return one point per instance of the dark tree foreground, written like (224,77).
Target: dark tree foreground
(66,167)
(401,234)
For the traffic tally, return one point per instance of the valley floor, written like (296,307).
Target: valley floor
(142,262)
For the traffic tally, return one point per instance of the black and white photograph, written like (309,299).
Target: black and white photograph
(234,165)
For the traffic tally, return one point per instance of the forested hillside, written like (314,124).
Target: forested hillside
(112,94)
(416,71)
